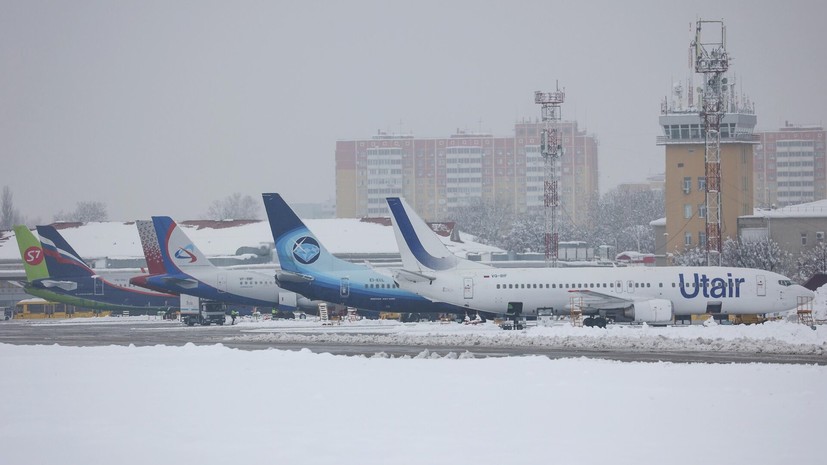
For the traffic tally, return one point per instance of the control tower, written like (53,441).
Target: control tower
(684,139)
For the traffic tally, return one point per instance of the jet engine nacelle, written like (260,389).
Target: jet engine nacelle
(654,311)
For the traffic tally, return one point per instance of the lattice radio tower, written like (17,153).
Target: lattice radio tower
(551,150)
(712,61)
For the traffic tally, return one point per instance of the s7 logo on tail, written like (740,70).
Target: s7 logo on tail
(33,255)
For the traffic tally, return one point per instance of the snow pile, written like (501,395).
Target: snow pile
(772,337)
(215,405)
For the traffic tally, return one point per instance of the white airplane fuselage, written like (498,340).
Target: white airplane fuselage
(691,290)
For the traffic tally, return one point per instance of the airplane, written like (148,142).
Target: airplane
(176,265)
(56,272)
(307,268)
(653,295)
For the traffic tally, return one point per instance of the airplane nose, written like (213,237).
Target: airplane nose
(803,295)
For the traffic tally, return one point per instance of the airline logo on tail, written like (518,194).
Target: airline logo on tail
(33,255)
(185,253)
(306,250)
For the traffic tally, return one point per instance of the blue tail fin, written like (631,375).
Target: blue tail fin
(298,249)
(61,259)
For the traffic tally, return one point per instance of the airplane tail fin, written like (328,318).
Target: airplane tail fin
(152,249)
(817,280)
(31,252)
(298,249)
(419,246)
(177,250)
(61,259)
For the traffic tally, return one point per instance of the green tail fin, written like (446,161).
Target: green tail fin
(32,254)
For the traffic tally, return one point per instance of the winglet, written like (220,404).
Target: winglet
(31,252)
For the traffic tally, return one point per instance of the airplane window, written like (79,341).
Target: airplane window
(498,286)
(509,286)
(611,284)
(648,285)
(660,284)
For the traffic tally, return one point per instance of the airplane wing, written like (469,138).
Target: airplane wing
(601,301)
(65,285)
(413,276)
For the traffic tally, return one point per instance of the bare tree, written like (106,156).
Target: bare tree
(763,254)
(84,213)
(234,207)
(9,216)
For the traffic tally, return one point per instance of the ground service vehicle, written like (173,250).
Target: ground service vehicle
(202,312)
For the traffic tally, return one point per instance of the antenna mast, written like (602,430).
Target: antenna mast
(712,61)
(551,150)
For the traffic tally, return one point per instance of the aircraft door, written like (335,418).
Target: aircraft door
(761,285)
(344,287)
(222,282)
(98,285)
(468,288)
(618,286)
(630,286)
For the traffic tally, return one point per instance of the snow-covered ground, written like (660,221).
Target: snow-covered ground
(772,337)
(213,404)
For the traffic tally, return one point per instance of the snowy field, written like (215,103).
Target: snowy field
(216,405)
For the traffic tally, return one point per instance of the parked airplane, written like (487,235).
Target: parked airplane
(178,266)
(56,272)
(310,270)
(642,294)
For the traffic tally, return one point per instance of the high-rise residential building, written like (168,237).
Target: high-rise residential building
(685,191)
(437,175)
(789,166)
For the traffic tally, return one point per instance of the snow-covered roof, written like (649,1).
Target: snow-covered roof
(340,236)
(658,222)
(817,209)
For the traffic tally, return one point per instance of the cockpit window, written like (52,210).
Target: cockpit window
(785,282)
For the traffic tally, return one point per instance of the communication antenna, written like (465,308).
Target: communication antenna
(712,61)
(551,150)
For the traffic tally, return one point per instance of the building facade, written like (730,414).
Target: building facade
(438,175)
(796,228)
(790,166)
(685,188)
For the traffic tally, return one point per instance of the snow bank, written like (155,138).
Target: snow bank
(772,337)
(214,405)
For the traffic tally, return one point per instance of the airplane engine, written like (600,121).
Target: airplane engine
(653,311)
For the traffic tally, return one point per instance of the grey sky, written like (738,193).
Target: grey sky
(159,108)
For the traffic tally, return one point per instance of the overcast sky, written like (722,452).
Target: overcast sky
(159,108)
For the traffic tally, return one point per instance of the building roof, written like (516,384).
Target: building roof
(817,209)
(224,238)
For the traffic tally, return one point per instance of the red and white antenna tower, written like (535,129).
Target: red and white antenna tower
(551,150)
(712,61)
